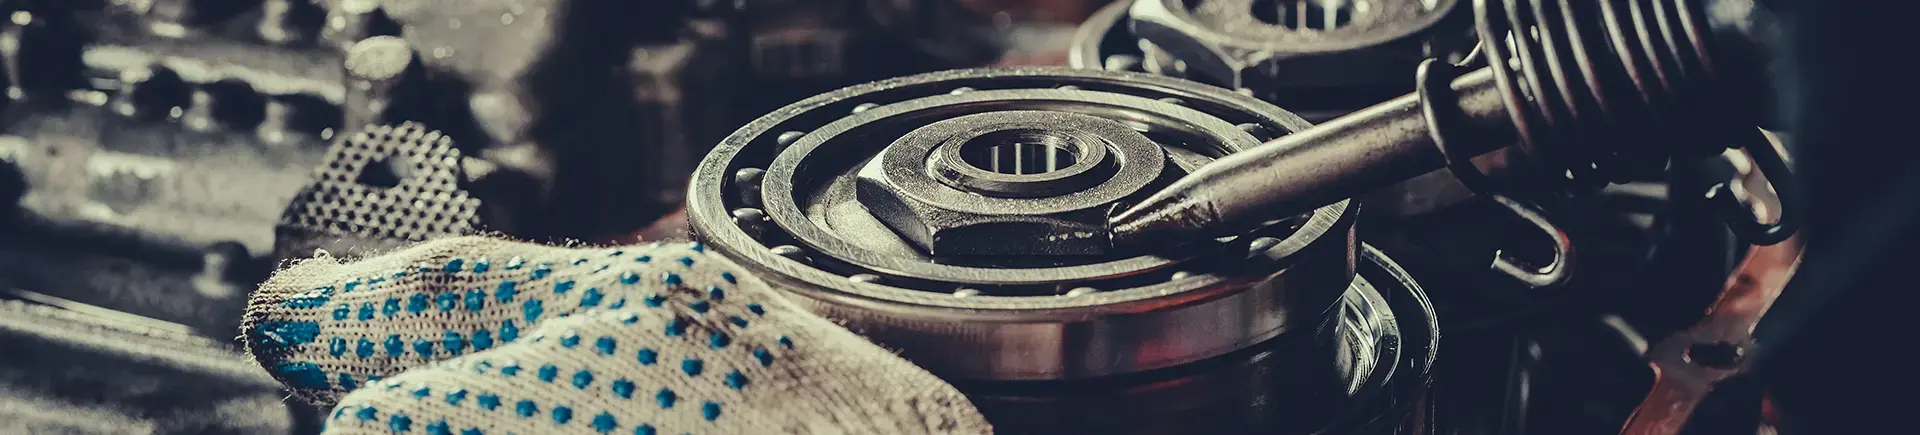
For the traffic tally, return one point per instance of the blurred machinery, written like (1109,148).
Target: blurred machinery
(161,156)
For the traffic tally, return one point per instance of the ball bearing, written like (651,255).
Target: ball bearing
(938,214)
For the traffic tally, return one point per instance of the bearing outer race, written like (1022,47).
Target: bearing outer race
(1404,354)
(951,335)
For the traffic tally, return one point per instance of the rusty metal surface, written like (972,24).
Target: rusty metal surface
(1686,365)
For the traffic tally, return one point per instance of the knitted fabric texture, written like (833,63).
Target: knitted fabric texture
(476,336)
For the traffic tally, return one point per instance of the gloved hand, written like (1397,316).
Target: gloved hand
(477,336)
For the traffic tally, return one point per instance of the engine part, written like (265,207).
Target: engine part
(1599,124)
(795,49)
(1322,58)
(847,200)
(549,86)
(149,176)
(1428,221)
(390,186)
(80,369)
(1689,365)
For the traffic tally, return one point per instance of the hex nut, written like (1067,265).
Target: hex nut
(930,187)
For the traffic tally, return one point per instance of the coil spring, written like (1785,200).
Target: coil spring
(1611,91)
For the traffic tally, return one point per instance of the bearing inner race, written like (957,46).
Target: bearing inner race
(1027,154)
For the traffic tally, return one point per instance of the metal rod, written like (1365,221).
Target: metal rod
(1366,150)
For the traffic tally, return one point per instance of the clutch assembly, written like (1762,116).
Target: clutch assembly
(959,217)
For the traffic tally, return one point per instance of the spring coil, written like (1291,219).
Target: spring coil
(1611,91)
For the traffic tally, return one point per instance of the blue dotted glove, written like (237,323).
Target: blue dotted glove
(477,336)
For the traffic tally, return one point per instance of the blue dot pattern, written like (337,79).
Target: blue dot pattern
(453,342)
(476,300)
(508,331)
(666,398)
(506,292)
(582,379)
(592,298)
(532,310)
(482,340)
(623,388)
(400,423)
(418,303)
(474,309)
(605,423)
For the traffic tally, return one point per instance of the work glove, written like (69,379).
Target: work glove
(475,335)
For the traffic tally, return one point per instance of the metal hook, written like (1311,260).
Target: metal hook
(1553,273)
(1739,217)
(1432,83)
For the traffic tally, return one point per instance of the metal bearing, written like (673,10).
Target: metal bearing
(778,196)
(1324,57)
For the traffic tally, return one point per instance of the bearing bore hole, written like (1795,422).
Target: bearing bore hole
(1305,14)
(1020,152)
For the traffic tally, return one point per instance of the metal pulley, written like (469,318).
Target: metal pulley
(955,216)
